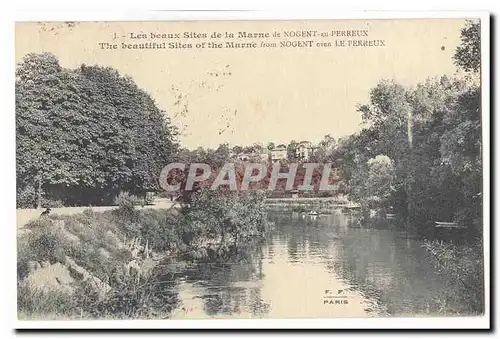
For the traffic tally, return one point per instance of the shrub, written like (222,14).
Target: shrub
(149,198)
(159,228)
(462,266)
(127,200)
(126,212)
(135,298)
(217,221)
(51,203)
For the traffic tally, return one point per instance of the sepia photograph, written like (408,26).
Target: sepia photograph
(252,169)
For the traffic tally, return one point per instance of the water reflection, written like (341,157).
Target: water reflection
(315,267)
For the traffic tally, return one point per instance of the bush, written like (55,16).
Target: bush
(462,266)
(126,213)
(127,200)
(51,203)
(216,222)
(149,198)
(142,298)
(159,228)
(132,297)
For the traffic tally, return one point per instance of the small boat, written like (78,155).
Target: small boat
(390,216)
(351,205)
(350,208)
(313,213)
(442,224)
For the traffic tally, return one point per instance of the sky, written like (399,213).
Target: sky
(243,96)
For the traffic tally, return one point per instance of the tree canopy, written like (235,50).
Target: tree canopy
(431,134)
(85,134)
(468,53)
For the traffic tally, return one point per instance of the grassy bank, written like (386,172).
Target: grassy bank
(111,264)
(89,265)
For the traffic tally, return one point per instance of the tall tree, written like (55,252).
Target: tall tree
(85,134)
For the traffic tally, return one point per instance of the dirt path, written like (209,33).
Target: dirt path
(23,216)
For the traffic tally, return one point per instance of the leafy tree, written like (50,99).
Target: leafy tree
(254,148)
(83,135)
(433,134)
(237,149)
(217,222)
(325,149)
(379,180)
(291,150)
(468,53)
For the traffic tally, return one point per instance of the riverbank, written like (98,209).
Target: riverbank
(86,265)
(321,268)
(113,263)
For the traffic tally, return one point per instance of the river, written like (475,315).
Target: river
(316,267)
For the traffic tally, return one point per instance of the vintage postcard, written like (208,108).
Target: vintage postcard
(254,168)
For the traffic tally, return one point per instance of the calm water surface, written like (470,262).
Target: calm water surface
(315,267)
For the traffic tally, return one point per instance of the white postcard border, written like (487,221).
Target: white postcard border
(333,323)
